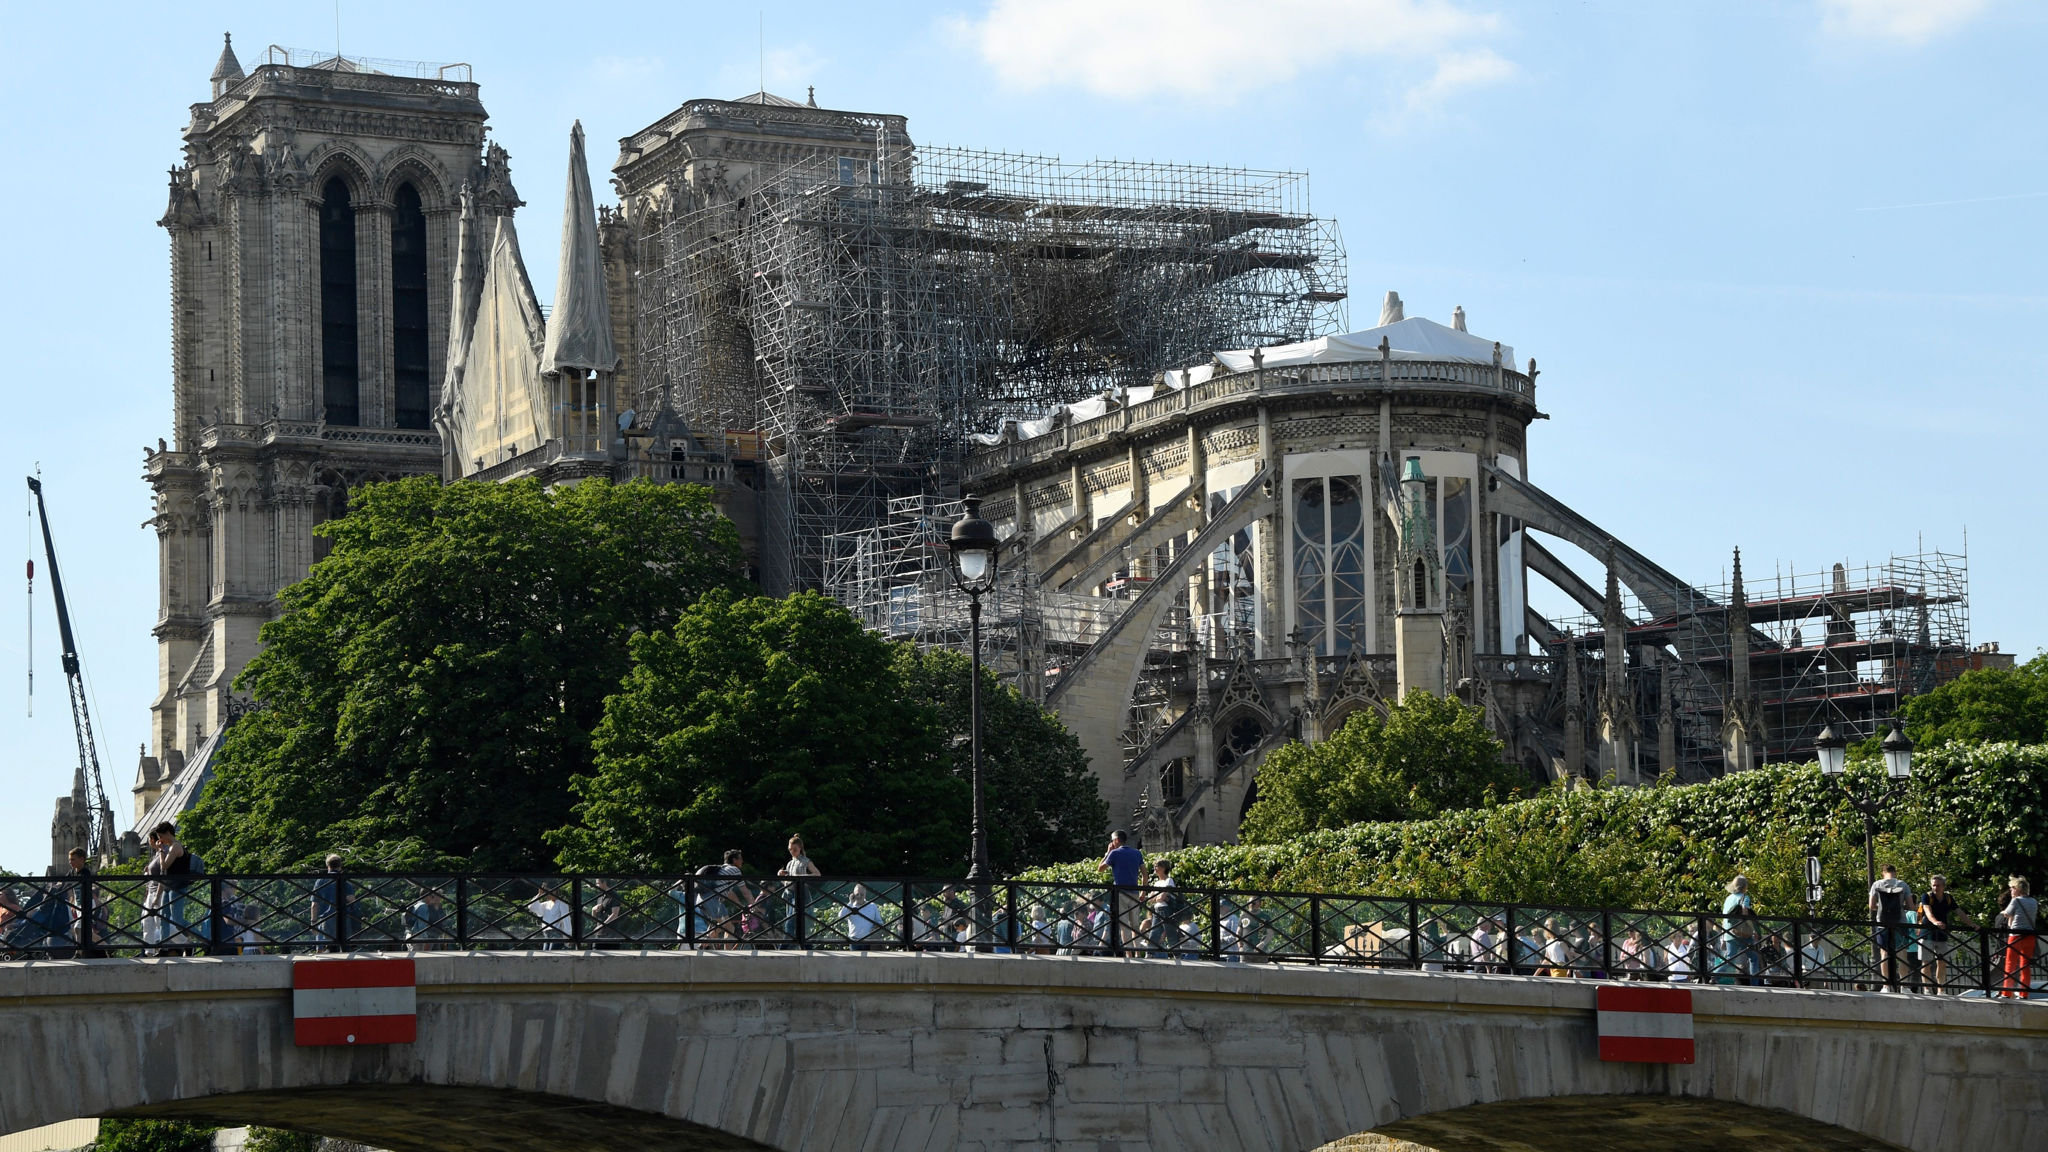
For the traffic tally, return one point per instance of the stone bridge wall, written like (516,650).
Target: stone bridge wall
(818,1051)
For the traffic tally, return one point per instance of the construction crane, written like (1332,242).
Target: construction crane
(89,782)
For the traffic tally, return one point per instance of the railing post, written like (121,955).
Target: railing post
(1606,944)
(340,913)
(1010,912)
(1415,934)
(1216,925)
(575,911)
(799,913)
(216,923)
(690,911)
(1508,939)
(1702,955)
(1986,951)
(1116,924)
(1315,929)
(1798,954)
(908,929)
(462,911)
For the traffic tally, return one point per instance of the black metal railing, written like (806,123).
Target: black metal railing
(128,916)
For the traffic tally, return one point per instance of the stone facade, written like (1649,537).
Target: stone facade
(982,1053)
(305,354)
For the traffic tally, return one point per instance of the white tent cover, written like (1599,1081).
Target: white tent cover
(500,407)
(1412,339)
(580,325)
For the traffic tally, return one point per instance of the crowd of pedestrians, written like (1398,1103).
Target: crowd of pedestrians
(1916,942)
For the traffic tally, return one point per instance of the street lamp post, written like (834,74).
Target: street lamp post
(1833,752)
(973,543)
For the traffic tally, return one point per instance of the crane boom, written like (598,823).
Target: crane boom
(100,838)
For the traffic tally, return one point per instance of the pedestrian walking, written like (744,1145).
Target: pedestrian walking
(177,868)
(426,922)
(1938,914)
(1123,862)
(794,890)
(1890,899)
(81,930)
(330,907)
(2021,919)
(1739,932)
(863,919)
(605,913)
(1164,904)
(554,916)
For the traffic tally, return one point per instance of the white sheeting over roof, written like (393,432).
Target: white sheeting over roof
(580,325)
(501,405)
(1412,339)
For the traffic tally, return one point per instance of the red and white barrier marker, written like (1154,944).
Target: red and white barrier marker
(1645,1025)
(354,1002)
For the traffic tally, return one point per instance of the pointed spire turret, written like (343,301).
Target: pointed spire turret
(580,324)
(227,71)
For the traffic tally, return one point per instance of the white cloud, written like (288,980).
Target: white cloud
(1908,22)
(1459,72)
(1218,49)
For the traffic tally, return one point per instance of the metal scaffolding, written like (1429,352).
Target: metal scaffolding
(863,317)
(1842,647)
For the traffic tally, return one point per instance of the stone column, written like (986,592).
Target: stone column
(375,376)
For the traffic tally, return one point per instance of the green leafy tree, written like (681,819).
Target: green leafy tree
(1984,705)
(281,1140)
(432,685)
(152,1136)
(1043,803)
(755,718)
(1427,755)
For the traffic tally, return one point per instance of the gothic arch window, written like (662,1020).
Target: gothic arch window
(1330,543)
(1239,740)
(339,369)
(409,308)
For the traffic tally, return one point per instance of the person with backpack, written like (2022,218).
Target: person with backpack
(1890,898)
(2021,919)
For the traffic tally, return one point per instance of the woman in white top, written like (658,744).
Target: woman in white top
(553,915)
(2021,916)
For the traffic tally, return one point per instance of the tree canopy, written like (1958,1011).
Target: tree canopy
(431,687)
(1983,705)
(751,719)
(1043,802)
(1427,755)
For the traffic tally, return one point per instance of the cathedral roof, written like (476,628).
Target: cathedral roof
(227,69)
(769,98)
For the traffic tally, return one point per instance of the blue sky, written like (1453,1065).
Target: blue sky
(1778,262)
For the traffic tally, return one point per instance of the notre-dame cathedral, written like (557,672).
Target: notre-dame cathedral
(342,254)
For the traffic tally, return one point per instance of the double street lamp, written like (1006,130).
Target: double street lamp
(1833,752)
(973,544)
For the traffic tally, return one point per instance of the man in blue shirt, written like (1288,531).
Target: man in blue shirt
(1123,862)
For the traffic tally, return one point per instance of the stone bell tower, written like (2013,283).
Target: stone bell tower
(312,229)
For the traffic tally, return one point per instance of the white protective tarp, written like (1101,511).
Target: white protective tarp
(501,404)
(1411,339)
(580,324)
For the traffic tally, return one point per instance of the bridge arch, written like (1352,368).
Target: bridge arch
(790,1050)
(1608,1124)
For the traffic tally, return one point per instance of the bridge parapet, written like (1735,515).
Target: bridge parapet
(747,1049)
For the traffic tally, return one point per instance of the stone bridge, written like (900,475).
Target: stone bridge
(791,1050)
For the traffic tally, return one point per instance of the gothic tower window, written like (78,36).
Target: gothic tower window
(338,363)
(409,308)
